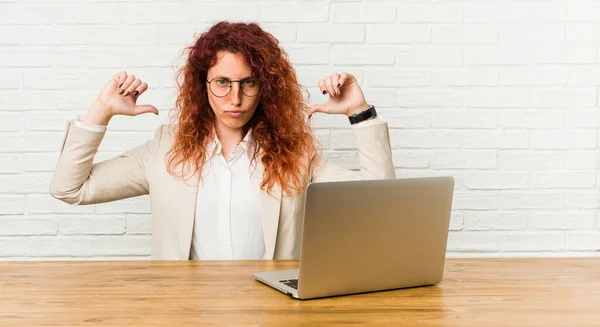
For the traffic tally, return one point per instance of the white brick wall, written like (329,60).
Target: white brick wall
(502,95)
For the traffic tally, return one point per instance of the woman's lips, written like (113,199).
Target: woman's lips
(234,113)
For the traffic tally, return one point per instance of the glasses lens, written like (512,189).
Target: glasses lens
(250,87)
(219,87)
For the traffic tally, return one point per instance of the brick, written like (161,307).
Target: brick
(534,76)
(13,247)
(530,160)
(464,159)
(583,240)
(11,226)
(362,13)
(95,225)
(532,119)
(339,33)
(308,54)
(87,14)
(562,221)
(136,35)
(429,13)
(55,80)
(464,33)
(471,76)
(11,121)
(486,55)
(14,100)
(12,204)
(497,97)
(582,200)
(406,118)
(561,54)
(517,241)
(430,98)
(21,14)
(139,224)
(362,55)
(583,119)
(11,163)
(472,241)
(10,79)
(583,32)
(562,180)
(532,33)
(429,139)
(25,183)
(46,204)
(475,200)
(429,56)
(89,58)
(496,180)
(482,221)
(464,119)
(563,139)
(562,97)
(581,159)
(411,158)
(397,33)
(39,162)
(156,13)
(294,12)
(391,78)
(207,12)
(496,139)
(456,220)
(531,200)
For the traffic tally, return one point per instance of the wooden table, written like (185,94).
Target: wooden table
(474,292)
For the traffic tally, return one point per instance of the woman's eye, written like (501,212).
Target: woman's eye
(249,82)
(221,81)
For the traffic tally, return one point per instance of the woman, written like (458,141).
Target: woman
(226,178)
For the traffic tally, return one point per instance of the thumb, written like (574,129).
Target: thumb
(144,108)
(316,108)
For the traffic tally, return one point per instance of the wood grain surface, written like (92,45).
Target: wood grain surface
(474,292)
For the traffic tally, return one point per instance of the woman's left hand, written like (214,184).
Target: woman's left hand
(345,96)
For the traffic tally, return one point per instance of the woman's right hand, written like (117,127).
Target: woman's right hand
(118,97)
(120,94)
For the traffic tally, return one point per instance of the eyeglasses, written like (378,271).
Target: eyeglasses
(220,86)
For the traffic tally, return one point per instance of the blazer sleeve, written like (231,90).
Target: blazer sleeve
(375,157)
(78,181)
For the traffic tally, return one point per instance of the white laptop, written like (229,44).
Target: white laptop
(372,235)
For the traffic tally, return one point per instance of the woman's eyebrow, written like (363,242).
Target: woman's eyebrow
(229,78)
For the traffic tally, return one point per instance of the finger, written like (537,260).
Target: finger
(144,108)
(322,87)
(346,79)
(329,87)
(335,80)
(119,78)
(140,89)
(136,83)
(128,81)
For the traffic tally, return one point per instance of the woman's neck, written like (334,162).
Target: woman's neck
(229,138)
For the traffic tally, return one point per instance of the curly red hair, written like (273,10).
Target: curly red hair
(285,141)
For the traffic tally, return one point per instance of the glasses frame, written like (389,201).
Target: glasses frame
(230,84)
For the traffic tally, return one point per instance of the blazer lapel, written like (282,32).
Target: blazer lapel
(270,205)
(187,213)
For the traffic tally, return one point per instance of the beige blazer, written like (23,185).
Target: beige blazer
(143,171)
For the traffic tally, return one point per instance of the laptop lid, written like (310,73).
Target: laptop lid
(370,235)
